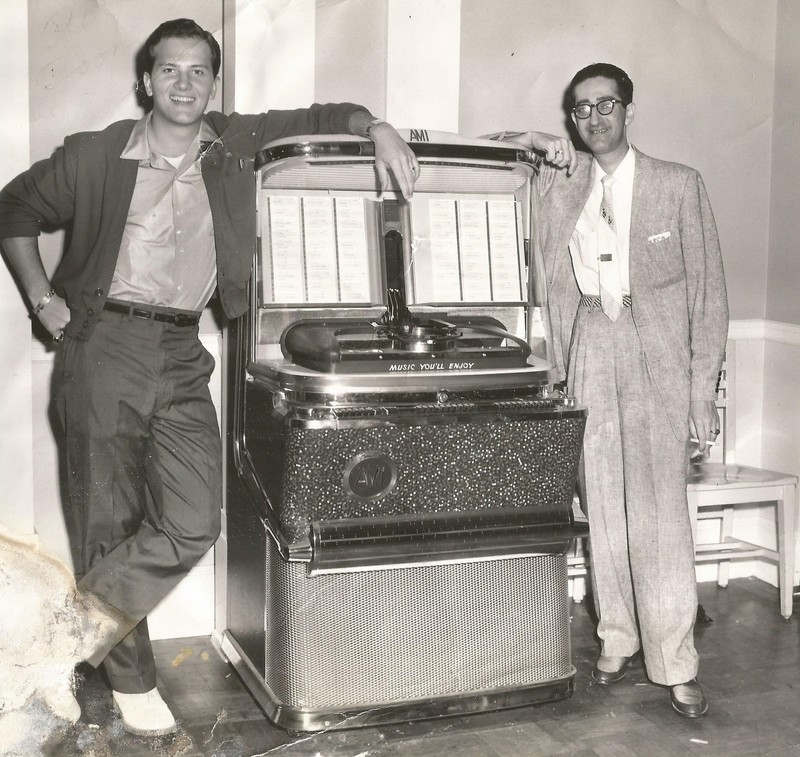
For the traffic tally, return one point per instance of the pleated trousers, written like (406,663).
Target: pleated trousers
(634,491)
(143,457)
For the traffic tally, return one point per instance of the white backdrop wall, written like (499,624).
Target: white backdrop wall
(716,87)
(16,411)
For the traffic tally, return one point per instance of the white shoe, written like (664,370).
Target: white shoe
(144,714)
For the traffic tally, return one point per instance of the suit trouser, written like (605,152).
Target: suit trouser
(144,470)
(635,495)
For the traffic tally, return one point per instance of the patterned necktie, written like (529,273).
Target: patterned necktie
(610,282)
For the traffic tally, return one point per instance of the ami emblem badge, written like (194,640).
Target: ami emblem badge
(370,475)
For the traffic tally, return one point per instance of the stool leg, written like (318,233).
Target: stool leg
(578,588)
(578,558)
(726,530)
(787,511)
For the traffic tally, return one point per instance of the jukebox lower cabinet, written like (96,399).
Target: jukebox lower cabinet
(399,471)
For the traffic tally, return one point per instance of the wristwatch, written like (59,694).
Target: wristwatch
(42,304)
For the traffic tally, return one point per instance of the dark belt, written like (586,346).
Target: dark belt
(593,300)
(150,312)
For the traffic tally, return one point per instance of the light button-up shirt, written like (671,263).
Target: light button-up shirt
(167,256)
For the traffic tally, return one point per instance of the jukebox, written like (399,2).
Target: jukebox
(399,474)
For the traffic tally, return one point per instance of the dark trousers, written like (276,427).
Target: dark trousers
(143,468)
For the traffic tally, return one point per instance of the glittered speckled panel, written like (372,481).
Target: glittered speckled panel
(349,640)
(523,461)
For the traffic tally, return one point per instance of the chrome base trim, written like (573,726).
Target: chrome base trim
(301,720)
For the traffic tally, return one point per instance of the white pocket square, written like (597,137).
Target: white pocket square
(658,237)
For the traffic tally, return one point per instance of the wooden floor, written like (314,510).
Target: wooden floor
(750,669)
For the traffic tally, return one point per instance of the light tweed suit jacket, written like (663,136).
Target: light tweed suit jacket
(680,306)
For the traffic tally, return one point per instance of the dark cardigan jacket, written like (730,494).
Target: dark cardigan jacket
(86,187)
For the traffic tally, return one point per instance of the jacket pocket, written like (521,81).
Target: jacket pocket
(663,260)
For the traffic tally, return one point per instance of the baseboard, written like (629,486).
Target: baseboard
(761,330)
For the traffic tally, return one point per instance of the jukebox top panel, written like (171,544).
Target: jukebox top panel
(456,260)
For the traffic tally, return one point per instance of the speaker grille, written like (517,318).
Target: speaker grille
(337,641)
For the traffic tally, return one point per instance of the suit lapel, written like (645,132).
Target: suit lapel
(646,196)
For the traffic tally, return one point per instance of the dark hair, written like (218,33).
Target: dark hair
(182,28)
(624,83)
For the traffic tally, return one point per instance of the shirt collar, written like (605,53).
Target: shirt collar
(138,147)
(623,172)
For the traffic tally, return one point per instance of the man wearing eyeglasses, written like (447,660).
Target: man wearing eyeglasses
(639,313)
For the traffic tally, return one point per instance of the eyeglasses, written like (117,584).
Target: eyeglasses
(604,108)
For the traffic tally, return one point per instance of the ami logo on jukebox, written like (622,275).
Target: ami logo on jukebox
(370,475)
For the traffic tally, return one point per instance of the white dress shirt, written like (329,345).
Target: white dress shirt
(584,243)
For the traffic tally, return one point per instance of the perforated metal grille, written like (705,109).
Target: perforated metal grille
(346,640)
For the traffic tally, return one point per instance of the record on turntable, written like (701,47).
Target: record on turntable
(402,342)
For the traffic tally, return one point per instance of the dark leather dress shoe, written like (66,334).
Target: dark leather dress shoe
(688,699)
(619,665)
